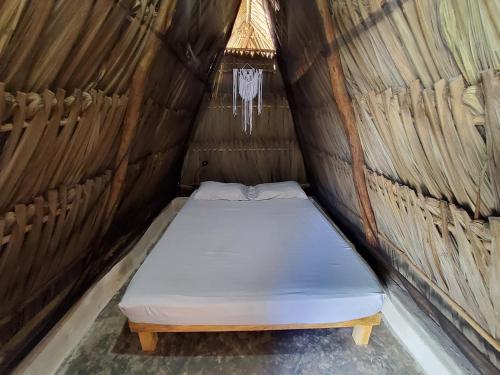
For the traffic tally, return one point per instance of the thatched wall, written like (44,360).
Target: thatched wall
(220,151)
(99,50)
(65,72)
(166,118)
(423,79)
(421,76)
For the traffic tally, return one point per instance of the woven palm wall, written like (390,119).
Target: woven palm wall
(65,72)
(219,150)
(423,79)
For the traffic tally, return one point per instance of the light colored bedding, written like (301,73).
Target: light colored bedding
(276,261)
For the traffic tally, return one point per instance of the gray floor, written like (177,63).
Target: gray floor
(109,348)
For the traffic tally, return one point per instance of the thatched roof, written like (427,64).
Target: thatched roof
(251,34)
(99,101)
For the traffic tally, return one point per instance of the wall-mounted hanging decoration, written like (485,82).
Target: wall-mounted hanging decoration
(247,82)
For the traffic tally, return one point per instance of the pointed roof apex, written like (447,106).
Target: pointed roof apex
(251,33)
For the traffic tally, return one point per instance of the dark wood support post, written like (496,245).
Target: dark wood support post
(346,111)
(136,97)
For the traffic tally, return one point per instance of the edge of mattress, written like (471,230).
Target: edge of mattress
(262,312)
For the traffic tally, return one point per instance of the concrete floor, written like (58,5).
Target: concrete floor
(109,348)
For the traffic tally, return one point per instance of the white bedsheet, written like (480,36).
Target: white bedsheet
(254,262)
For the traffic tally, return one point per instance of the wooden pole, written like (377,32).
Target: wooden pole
(344,105)
(494,273)
(136,97)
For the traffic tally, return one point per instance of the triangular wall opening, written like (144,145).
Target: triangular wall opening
(219,150)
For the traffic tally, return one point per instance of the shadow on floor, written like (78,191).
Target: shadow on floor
(229,343)
(110,348)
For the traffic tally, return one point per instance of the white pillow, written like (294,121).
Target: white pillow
(288,189)
(211,190)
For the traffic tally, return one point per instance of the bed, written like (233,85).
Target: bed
(272,264)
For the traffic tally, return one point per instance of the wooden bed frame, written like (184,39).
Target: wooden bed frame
(148,333)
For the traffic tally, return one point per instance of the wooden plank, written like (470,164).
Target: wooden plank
(346,111)
(372,320)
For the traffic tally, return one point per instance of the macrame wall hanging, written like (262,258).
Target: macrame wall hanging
(247,82)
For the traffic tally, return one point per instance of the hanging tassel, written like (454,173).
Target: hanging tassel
(248,84)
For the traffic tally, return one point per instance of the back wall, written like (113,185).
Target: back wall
(220,151)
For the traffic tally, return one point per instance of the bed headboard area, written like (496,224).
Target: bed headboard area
(221,151)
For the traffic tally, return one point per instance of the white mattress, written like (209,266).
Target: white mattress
(255,262)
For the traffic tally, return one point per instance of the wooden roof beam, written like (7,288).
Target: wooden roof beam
(346,111)
(136,97)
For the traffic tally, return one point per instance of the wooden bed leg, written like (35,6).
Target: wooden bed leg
(148,340)
(361,334)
